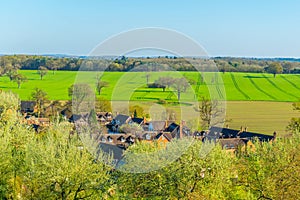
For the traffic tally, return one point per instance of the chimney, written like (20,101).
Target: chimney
(274,135)
(241,129)
(246,129)
(180,130)
(166,124)
(227,126)
(144,120)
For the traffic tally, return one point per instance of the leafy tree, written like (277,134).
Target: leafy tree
(164,82)
(103,105)
(42,71)
(11,73)
(40,98)
(136,111)
(274,68)
(294,125)
(19,79)
(269,170)
(100,85)
(180,85)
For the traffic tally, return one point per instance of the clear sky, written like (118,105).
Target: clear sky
(252,28)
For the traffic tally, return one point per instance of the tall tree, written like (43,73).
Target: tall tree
(274,68)
(82,96)
(294,125)
(103,105)
(19,79)
(209,110)
(100,85)
(40,98)
(164,82)
(42,71)
(180,85)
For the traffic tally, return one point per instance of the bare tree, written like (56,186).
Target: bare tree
(180,85)
(209,110)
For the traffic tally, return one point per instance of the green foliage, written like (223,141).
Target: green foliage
(19,79)
(101,84)
(40,98)
(42,71)
(274,68)
(294,125)
(60,165)
(103,105)
(52,165)
(136,111)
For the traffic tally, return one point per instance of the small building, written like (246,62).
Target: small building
(27,106)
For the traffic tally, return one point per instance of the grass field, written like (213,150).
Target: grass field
(258,101)
(124,86)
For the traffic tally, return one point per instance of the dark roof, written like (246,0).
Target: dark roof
(137,120)
(260,137)
(27,106)
(113,150)
(121,119)
(225,132)
(158,125)
(168,136)
(146,135)
(172,127)
(217,132)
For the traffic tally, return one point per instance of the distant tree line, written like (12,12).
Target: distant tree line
(11,63)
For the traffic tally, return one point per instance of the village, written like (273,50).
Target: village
(120,131)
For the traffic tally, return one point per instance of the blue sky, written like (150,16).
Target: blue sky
(256,28)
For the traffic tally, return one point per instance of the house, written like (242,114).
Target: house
(163,138)
(112,150)
(139,121)
(216,133)
(104,117)
(155,126)
(43,121)
(27,106)
(119,120)
(121,140)
(176,132)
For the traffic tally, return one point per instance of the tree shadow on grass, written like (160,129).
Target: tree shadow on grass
(249,76)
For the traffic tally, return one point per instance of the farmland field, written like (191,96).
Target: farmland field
(258,101)
(238,86)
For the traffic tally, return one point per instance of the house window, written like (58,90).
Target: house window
(122,139)
(148,136)
(109,139)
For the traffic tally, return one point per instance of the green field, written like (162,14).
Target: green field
(132,86)
(258,101)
